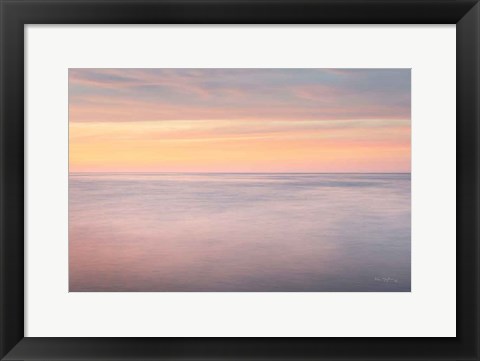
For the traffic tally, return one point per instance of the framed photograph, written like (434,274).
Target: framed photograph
(239,180)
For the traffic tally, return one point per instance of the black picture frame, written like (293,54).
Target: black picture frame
(15,14)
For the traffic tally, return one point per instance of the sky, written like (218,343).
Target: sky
(239,120)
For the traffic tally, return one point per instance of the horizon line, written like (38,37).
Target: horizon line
(90,172)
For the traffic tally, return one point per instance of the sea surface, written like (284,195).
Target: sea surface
(179,232)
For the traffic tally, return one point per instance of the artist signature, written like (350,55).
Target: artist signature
(385,279)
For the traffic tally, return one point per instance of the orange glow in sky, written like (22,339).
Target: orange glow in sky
(239,120)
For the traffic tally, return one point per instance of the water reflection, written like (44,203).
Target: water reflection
(239,232)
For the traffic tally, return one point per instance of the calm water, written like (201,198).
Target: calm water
(239,232)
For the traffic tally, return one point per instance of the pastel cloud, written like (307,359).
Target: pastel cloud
(170,94)
(290,120)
